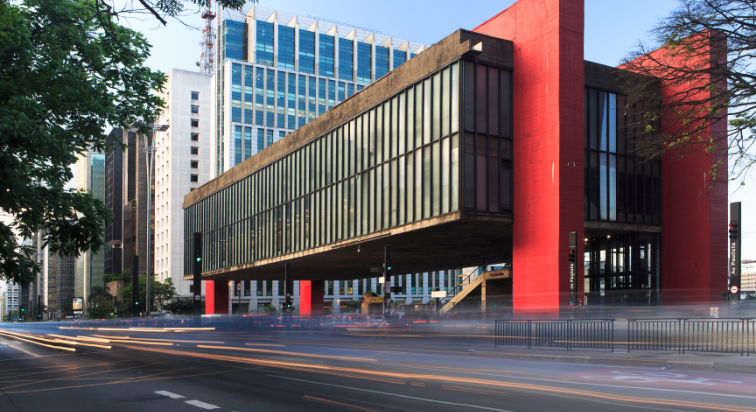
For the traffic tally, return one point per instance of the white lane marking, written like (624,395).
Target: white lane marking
(394,394)
(169,394)
(202,405)
(585,383)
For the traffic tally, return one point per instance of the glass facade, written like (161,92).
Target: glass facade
(307,52)
(364,63)
(399,58)
(346,59)
(326,61)
(264,47)
(394,164)
(286,47)
(381,61)
(619,186)
(233,40)
(487,137)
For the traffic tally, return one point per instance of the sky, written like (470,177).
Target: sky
(612,28)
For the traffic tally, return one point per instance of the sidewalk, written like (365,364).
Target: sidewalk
(699,361)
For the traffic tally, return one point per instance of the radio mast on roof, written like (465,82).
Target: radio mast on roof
(207,56)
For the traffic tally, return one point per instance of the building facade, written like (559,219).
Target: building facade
(182,163)
(58,272)
(89,176)
(499,144)
(277,71)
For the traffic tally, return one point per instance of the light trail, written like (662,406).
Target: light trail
(19,337)
(278,352)
(337,371)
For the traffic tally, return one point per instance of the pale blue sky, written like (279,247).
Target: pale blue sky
(612,28)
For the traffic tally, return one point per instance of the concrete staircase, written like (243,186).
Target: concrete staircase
(487,286)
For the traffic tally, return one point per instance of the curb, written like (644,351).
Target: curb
(593,360)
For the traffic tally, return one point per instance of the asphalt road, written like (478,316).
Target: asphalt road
(186,370)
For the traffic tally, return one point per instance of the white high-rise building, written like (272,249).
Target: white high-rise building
(182,163)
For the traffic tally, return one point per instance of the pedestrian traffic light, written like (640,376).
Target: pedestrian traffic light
(725,295)
(572,255)
(733,231)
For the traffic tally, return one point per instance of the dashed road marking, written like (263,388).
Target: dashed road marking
(202,405)
(169,394)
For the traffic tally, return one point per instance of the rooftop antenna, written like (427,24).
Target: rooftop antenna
(207,56)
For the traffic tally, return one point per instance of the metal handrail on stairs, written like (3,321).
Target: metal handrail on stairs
(458,288)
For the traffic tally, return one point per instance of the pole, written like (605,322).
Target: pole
(386,281)
(197,272)
(288,290)
(148,152)
(735,263)
(135,287)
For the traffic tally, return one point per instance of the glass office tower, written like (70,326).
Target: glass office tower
(277,71)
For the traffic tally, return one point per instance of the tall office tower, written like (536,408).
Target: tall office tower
(89,175)
(278,71)
(114,201)
(126,196)
(182,163)
(11,296)
(58,278)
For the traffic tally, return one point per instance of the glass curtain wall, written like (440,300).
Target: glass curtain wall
(346,59)
(487,139)
(619,186)
(307,51)
(326,49)
(264,47)
(286,47)
(394,164)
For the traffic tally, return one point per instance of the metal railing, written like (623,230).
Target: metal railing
(568,334)
(734,336)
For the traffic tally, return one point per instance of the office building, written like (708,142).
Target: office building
(278,71)
(89,175)
(182,163)
(126,196)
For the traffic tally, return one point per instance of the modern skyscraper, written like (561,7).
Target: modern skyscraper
(126,196)
(89,175)
(58,280)
(182,163)
(278,71)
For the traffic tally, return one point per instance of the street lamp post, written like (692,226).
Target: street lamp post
(149,150)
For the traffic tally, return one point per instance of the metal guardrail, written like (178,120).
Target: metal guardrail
(734,336)
(569,334)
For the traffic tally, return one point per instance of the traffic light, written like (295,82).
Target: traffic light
(725,295)
(572,255)
(197,256)
(733,231)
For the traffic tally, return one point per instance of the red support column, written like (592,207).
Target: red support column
(311,297)
(216,297)
(549,135)
(694,247)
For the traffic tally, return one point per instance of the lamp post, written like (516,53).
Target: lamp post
(149,150)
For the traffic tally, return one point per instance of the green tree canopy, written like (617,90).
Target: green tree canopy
(160,293)
(62,81)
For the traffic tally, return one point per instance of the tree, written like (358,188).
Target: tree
(99,303)
(62,80)
(706,64)
(183,306)
(160,293)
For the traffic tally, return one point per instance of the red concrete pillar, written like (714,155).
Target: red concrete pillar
(216,297)
(311,297)
(549,135)
(694,242)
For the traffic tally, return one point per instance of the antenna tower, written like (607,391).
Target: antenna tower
(207,56)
